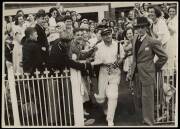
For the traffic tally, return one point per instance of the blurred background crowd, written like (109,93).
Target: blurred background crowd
(22,31)
(55,22)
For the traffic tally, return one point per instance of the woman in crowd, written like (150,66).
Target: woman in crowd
(145,9)
(92,31)
(18,32)
(158,28)
(79,17)
(17,53)
(30,54)
(111,24)
(20,12)
(74,20)
(31,20)
(68,13)
(53,13)
(172,44)
(19,25)
(129,34)
(164,11)
(130,18)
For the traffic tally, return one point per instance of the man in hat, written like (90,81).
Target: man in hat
(143,71)
(109,76)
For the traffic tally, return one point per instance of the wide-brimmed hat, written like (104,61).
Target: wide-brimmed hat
(106,31)
(141,22)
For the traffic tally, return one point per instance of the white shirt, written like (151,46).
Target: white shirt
(143,37)
(161,30)
(18,29)
(93,41)
(107,54)
(52,22)
(17,57)
(173,24)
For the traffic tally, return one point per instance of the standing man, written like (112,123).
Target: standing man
(42,38)
(144,69)
(109,74)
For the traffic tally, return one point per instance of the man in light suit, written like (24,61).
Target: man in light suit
(143,71)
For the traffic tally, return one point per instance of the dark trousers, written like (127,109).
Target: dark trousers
(144,101)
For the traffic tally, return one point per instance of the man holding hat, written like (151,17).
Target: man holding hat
(143,70)
(109,74)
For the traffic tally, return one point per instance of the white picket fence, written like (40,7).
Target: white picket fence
(56,100)
(165,97)
(43,99)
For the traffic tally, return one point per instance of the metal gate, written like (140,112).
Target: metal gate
(165,97)
(56,99)
(43,99)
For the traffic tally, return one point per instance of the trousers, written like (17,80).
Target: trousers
(144,101)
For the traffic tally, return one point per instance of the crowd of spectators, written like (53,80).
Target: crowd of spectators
(33,42)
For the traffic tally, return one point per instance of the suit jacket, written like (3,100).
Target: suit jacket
(145,60)
(42,40)
(58,58)
(32,58)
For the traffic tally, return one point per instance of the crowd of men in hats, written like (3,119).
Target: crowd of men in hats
(61,40)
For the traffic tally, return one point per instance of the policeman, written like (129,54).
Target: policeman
(109,74)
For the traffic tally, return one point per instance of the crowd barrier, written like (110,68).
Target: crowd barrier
(56,100)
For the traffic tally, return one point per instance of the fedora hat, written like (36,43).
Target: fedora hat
(141,21)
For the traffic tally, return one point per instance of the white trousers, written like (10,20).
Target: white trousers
(108,87)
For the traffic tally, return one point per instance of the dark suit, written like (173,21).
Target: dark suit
(42,41)
(32,58)
(143,75)
(59,59)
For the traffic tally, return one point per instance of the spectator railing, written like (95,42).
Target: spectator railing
(43,99)
(165,97)
(56,100)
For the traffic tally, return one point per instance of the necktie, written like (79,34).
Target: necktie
(139,37)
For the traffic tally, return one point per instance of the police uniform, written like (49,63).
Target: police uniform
(109,78)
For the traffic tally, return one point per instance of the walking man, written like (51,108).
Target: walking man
(109,74)
(143,71)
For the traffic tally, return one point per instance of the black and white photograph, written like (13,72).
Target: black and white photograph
(89,64)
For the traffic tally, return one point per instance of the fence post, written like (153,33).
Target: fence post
(13,96)
(77,97)
(3,105)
